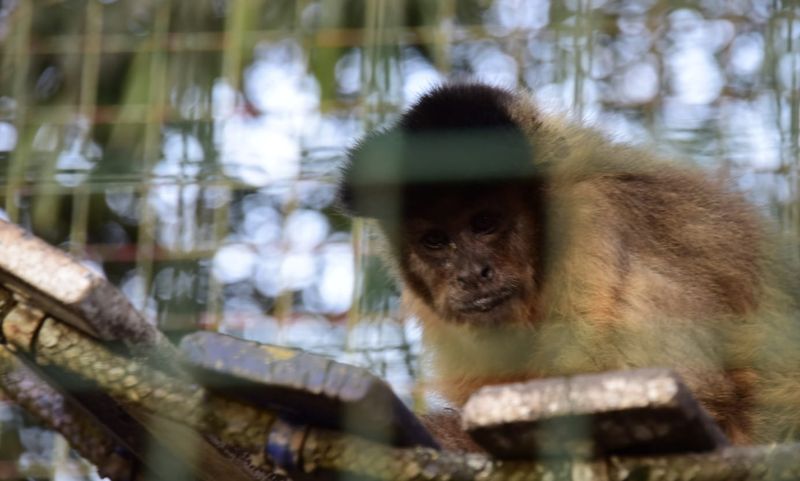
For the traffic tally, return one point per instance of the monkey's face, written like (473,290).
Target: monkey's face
(470,253)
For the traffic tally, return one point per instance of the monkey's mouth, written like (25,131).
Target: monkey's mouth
(488,302)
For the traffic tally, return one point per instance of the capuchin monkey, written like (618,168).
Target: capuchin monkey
(530,247)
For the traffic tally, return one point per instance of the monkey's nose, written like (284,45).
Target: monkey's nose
(475,276)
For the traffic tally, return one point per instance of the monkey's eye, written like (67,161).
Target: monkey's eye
(434,239)
(484,223)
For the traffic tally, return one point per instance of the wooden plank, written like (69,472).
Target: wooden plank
(304,388)
(646,411)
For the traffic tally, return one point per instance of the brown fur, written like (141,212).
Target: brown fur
(445,426)
(616,259)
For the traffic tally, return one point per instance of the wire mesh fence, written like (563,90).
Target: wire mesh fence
(188,150)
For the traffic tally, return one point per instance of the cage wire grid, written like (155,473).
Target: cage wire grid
(166,48)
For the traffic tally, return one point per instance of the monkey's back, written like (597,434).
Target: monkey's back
(654,233)
(661,266)
(680,243)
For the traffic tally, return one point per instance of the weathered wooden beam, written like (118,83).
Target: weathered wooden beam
(70,291)
(645,411)
(80,336)
(304,388)
(62,414)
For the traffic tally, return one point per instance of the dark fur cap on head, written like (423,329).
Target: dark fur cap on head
(454,135)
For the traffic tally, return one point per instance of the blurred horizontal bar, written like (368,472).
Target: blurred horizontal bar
(320,452)
(219,41)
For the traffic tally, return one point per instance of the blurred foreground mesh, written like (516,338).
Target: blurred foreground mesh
(187,150)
